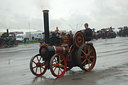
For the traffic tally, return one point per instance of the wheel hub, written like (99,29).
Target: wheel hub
(38,64)
(88,57)
(58,65)
(79,39)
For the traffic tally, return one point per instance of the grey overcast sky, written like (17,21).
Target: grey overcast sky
(17,14)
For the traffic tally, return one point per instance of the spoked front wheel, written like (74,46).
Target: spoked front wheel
(37,65)
(58,65)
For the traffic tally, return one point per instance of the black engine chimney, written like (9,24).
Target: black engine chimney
(7,33)
(46,25)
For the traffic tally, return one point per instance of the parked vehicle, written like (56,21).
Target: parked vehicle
(106,33)
(8,40)
(123,31)
(35,36)
(20,37)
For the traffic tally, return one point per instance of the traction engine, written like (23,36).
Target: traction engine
(60,54)
(8,40)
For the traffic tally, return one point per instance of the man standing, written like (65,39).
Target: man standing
(57,32)
(87,32)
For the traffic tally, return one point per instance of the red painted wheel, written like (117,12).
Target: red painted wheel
(16,43)
(58,65)
(86,56)
(37,66)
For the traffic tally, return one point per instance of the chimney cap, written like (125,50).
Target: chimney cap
(45,11)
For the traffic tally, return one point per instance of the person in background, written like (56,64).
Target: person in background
(57,32)
(63,34)
(87,32)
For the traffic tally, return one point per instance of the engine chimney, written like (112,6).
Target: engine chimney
(46,25)
(7,33)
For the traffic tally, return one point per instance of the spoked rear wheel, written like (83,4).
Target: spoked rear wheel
(86,57)
(37,65)
(58,65)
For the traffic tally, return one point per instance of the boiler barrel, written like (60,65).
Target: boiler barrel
(61,49)
(48,51)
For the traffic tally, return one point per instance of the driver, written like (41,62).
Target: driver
(87,32)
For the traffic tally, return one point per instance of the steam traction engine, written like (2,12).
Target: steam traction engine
(60,54)
(8,40)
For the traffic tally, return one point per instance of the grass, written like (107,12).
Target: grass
(22,43)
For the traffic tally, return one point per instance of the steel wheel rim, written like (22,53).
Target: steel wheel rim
(37,66)
(88,57)
(58,65)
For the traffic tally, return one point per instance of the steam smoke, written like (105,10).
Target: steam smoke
(15,17)
(43,4)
